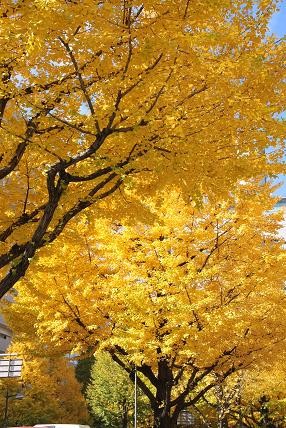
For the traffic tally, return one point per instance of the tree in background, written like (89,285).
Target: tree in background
(91,101)
(83,367)
(253,397)
(110,395)
(50,390)
(198,292)
(263,398)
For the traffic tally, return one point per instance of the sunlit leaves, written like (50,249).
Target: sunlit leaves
(201,287)
(101,95)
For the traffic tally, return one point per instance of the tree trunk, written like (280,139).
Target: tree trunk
(162,420)
(162,413)
(223,423)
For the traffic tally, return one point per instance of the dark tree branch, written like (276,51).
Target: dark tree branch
(15,159)
(129,55)
(147,372)
(186,9)
(192,94)
(21,221)
(40,87)
(31,129)
(140,382)
(27,190)
(211,385)
(12,254)
(27,251)
(81,81)
(83,204)
(72,125)
(160,92)
(3,103)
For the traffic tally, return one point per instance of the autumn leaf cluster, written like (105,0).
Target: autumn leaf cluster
(108,95)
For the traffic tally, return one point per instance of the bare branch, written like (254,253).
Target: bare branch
(3,103)
(129,56)
(160,92)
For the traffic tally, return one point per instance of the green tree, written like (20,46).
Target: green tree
(111,396)
(83,371)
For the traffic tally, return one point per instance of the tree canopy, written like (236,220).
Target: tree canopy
(183,298)
(97,96)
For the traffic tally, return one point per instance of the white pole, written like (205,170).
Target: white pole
(135,398)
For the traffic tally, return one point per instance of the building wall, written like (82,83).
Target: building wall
(5,336)
(281,205)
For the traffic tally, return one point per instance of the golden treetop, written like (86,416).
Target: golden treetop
(101,95)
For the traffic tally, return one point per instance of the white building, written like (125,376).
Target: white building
(5,336)
(282,206)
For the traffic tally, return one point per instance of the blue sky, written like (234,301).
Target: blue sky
(278,27)
(278,21)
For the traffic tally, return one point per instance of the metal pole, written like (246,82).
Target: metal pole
(135,398)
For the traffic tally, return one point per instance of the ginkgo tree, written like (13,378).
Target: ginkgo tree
(263,393)
(108,94)
(250,398)
(198,292)
(48,388)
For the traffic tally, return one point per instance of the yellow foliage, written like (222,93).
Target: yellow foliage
(201,289)
(49,388)
(97,96)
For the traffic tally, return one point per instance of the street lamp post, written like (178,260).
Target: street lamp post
(135,397)
(10,367)
(17,396)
